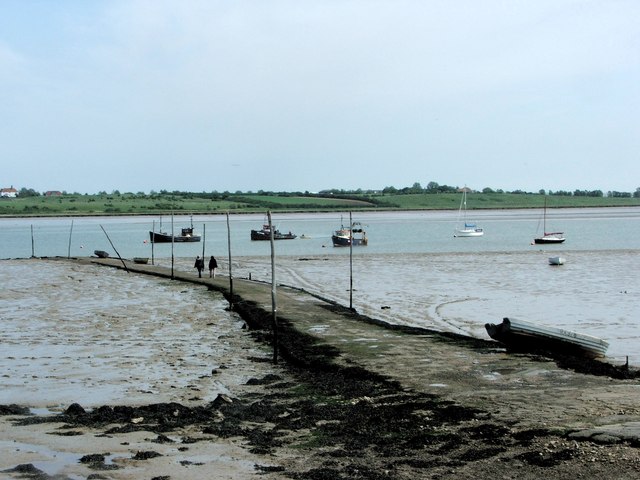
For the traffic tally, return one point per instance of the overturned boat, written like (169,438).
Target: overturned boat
(521,335)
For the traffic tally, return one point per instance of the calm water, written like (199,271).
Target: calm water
(413,271)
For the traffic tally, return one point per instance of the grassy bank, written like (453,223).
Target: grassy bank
(203,203)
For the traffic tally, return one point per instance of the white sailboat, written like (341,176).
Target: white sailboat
(466,228)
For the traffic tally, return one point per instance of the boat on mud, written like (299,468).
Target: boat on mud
(524,336)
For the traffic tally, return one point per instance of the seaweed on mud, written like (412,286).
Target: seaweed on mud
(14,410)
(474,454)
(146,455)
(489,433)
(546,459)
(526,437)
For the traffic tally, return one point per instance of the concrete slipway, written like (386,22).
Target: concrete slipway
(531,390)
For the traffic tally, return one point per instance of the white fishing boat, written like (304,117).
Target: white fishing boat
(466,228)
(521,335)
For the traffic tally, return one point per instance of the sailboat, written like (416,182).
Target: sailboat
(548,237)
(466,229)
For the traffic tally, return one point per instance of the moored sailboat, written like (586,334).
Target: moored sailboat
(548,237)
(466,228)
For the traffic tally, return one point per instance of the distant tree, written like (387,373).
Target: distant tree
(487,190)
(432,187)
(392,190)
(619,194)
(542,192)
(416,188)
(28,192)
(636,194)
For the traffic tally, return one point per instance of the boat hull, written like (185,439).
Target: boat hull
(469,232)
(345,241)
(262,235)
(158,237)
(548,240)
(520,335)
(556,260)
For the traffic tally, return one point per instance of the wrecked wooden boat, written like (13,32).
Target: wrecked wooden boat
(521,335)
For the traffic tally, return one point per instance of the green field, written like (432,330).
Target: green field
(140,204)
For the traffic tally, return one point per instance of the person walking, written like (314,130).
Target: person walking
(199,265)
(213,264)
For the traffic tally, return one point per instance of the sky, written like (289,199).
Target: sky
(290,95)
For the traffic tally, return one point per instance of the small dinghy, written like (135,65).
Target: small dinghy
(521,335)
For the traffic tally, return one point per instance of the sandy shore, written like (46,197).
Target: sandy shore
(348,399)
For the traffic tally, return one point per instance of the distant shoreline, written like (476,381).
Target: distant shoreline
(110,205)
(301,211)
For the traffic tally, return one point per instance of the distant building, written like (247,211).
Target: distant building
(8,192)
(53,193)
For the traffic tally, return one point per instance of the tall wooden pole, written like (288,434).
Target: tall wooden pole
(153,238)
(204,238)
(33,246)
(350,263)
(114,249)
(274,302)
(172,242)
(230,274)
(69,247)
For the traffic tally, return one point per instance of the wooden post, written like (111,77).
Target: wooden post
(204,238)
(350,263)
(172,242)
(69,247)
(33,248)
(274,302)
(230,275)
(152,239)
(114,249)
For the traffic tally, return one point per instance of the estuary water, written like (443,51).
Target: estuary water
(413,271)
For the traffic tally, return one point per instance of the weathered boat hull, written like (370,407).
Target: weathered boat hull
(101,253)
(262,235)
(341,241)
(160,237)
(141,260)
(526,336)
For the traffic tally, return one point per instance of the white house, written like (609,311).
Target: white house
(8,192)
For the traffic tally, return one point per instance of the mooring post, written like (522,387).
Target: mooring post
(274,302)
(230,275)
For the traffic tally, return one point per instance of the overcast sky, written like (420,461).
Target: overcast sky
(307,95)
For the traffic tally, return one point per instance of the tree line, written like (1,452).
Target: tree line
(416,188)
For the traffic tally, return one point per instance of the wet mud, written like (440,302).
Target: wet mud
(324,420)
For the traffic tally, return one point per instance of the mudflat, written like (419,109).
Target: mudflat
(350,397)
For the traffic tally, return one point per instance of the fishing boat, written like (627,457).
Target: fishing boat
(141,260)
(265,234)
(556,260)
(521,335)
(466,228)
(353,235)
(548,237)
(187,234)
(101,253)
